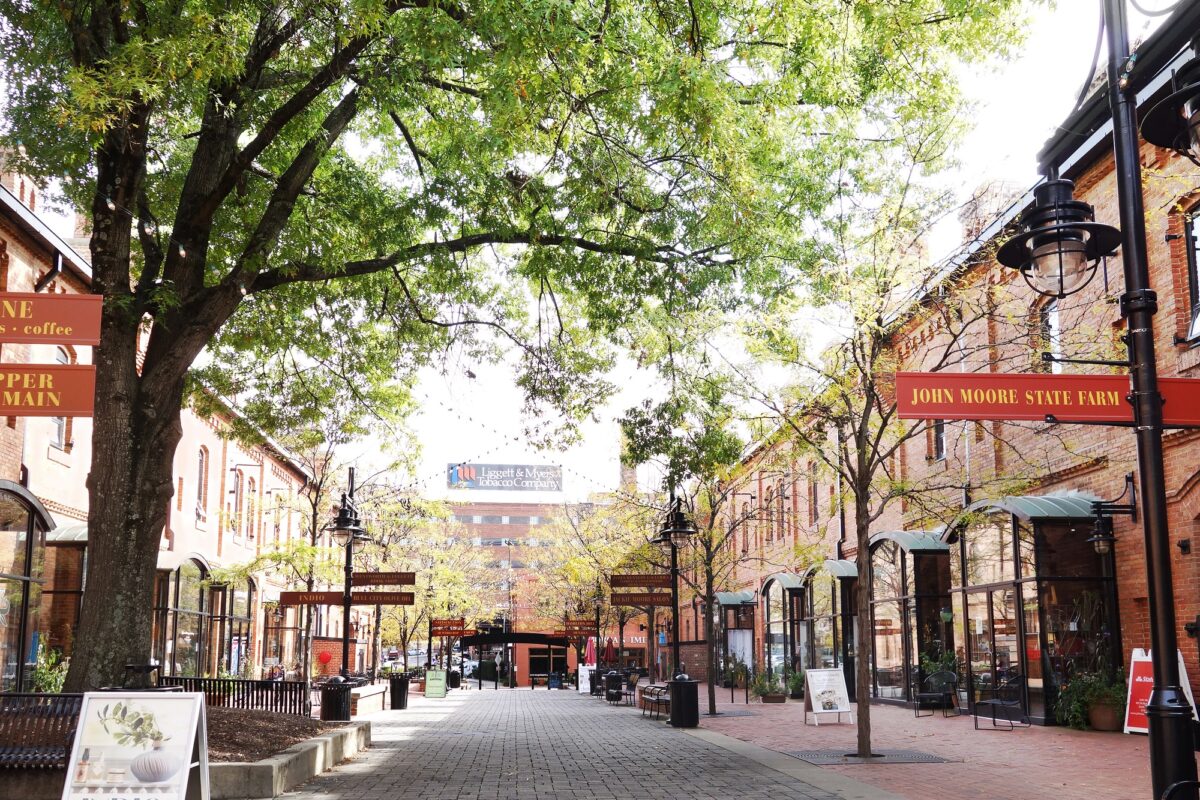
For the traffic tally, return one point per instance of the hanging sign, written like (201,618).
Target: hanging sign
(640,599)
(44,390)
(825,693)
(640,581)
(1033,396)
(139,745)
(37,318)
(384,579)
(1141,683)
(336,598)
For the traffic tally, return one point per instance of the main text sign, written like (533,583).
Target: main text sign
(1069,398)
(43,390)
(35,318)
(640,581)
(335,598)
(641,599)
(384,579)
(505,477)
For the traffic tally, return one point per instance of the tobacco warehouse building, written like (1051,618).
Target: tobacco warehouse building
(1008,573)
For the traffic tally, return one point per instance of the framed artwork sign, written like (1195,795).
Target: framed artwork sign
(825,693)
(139,746)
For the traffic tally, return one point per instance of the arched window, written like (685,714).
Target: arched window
(202,484)
(781,524)
(769,505)
(745,521)
(60,436)
(239,501)
(251,508)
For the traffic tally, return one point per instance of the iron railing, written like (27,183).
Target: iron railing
(283,697)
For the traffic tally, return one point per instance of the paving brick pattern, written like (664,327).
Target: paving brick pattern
(1036,762)
(521,745)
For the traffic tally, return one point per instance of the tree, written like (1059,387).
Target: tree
(354,185)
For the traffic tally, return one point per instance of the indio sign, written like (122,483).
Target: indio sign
(42,390)
(34,318)
(1033,397)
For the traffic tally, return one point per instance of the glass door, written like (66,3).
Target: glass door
(993,639)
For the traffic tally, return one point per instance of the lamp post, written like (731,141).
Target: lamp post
(676,530)
(349,534)
(1058,243)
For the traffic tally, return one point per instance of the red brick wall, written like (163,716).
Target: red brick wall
(323,644)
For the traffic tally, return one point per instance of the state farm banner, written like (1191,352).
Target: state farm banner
(44,390)
(1033,396)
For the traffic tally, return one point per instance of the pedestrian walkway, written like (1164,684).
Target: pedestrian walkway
(521,745)
(1037,762)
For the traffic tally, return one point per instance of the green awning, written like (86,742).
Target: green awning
(74,533)
(841,568)
(735,598)
(914,541)
(788,580)
(1057,505)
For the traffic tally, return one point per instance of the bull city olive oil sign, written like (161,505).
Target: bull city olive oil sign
(139,746)
(1034,397)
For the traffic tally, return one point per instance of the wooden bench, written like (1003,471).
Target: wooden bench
(36,730)
(656,698)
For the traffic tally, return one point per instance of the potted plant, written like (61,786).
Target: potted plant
(1092,699)
(768,688)
(795,684)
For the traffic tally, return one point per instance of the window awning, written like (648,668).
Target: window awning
(914,541)
(788,580)
(72,533)
(841,568)
(1057,505)
(735,598)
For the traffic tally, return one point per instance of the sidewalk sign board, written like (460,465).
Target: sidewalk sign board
(1141,682)
(825,693)
(435,683)
(114,756)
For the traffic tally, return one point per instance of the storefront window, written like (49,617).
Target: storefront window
(23,526)
(776,644)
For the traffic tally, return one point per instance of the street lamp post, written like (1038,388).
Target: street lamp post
(676,530)
(1054,250)
(347,533)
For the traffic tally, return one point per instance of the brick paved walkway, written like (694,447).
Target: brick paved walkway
(521,745)
(1038,762)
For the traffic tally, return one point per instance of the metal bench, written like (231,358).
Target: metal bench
(656,698)
(36,730)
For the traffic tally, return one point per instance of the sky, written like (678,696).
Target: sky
(479,419)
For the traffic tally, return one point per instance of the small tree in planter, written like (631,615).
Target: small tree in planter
(768,688)
(795,684)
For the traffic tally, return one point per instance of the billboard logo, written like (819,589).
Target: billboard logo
(504,477)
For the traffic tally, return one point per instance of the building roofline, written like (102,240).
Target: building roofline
(33,226)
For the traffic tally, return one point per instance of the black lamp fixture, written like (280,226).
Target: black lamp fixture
(677,528)
(1102,527)
(1174,122)
(1060,242)
(346,528)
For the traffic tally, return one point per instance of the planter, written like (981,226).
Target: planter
(773,698)
(1104,717)
(797,695)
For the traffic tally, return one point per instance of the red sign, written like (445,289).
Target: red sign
(382,598)
(38,390)
(640,581)
(36,318)
(335,598)
(1070,398)
(450,623)
(641,599)
(384,579)
(1141,683)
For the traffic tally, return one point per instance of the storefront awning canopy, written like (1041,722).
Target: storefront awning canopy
(841,568)
(914,541)
(1059,505)
(73,533)
(788,580)
(735,598)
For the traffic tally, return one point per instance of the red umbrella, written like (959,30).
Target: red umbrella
(610,652)
(589,655)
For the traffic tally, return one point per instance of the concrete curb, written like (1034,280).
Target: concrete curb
(271,777)
(827,780)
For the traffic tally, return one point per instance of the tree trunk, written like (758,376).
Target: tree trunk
(376,640)
(710,638)
(864,641)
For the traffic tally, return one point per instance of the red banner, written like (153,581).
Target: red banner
(38,390)
(641,599)
(640,581)
(335,598)
(1069,398)
(384,579)
(36,318)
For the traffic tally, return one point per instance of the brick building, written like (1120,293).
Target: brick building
(994,574)
(230,502)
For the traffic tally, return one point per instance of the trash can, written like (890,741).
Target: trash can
(612,687)
(335,700)
(685,702)
(399,687)
(454,681)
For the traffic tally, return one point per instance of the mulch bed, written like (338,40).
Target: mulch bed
(237,735)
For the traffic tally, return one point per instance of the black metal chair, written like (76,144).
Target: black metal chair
(940,687)
(1009,695)
(1173,791)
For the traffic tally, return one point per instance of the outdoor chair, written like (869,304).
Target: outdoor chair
(940,687)
(1175,790)
(1008,696)
(630,692)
